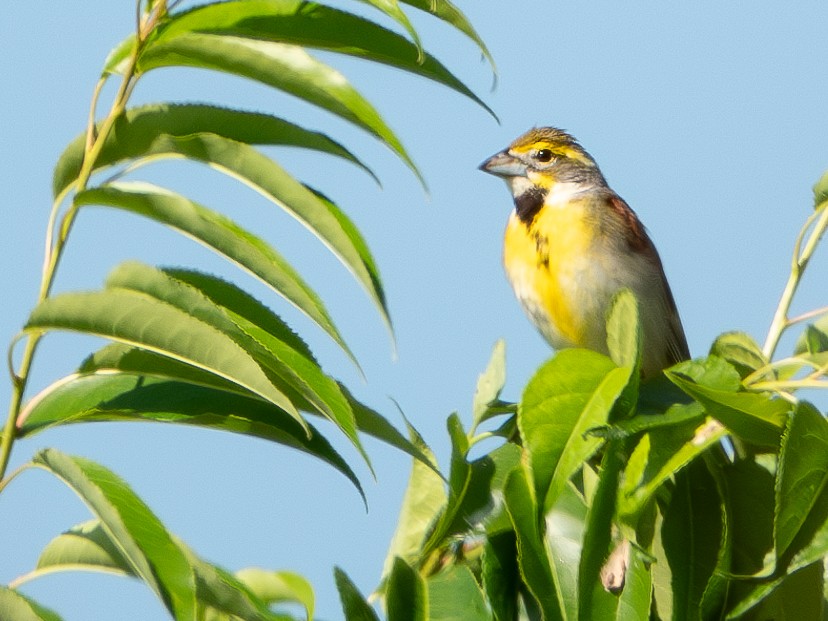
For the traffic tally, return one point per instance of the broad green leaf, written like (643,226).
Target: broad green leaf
(303,24)
(353,603)
(533,557)
(279,587)
(18,607)
(146,545)
(132,396)
(820,190)
(424,499)
(692,533)
(553,402)
(565,524)
(635,601)
(713,372)
(740,350)
(802,473)
(795,595)
(757,418)
(84,546)
(139,131)
(143,321)
(489,384)
(221,234)
(283,66)
(815,338)
(658,456)
(406,596)
(293,374)
(750,500)
(500,574)
(320,216)
(448,12)
(454,595)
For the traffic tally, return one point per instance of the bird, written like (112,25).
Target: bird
(571,243)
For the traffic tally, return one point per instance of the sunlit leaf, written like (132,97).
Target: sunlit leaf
(821,190)
(740,350)
(393,10)
(279,587)
(565,522)
(490,383)
(147,547)
(815,337)
(18,607)
(353,603)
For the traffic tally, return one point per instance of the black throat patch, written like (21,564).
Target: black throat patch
(528,204)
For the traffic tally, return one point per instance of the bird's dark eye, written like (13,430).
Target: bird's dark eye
(543,155)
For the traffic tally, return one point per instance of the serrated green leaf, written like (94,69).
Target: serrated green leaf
(286,67)
(147,547)
(222,235)
(149,395)
(454,595)
(554,401)
(307,25)
(139,133)
(740,350)
(802,473)
(489,384)
(353,603)
(406,595)
(18,607)
(143,321)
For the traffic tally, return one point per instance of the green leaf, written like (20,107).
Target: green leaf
(278,587)
(149,549)
(307,25)
(393,10)
(565,524)
(533,557)
(221,234)
(448,12)
(141,320)
(624,331)
(564,390)
(406,595)
(84,546)
(149,396)
(286,67)
(500,574)
(757,418)
(815,338)
(821,190)
(740,350)
(454,595)
(353,603)
(635,602)
(142,132)
(18,607)
(489,384)
(802,473)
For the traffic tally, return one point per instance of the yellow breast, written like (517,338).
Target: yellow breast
(545,261)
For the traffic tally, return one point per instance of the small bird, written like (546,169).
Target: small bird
(572,243)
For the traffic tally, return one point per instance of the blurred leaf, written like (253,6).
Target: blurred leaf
(221,234)
(802,473)
(18,607)
(624,331)
(692,535)
(500,575)
(454,595)
(821,190)
(353,603)
(147,547)
(393,10)
(138,319)
(533,557)
(489,384)
(278,587)
(658,456)
(406,595)
(750,500)
(449,13)
(564,534)
(286,67)
(124,396)
(148,130)
(84,546)
(758,418)
(568,388)
(635,601)
(304,24)
(116,60)
(740,350)
(794,595)
(815,338)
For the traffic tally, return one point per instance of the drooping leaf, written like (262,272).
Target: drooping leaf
(110,396)
(21,608)
(221,234)
(84,546)
(307,25)
(139,133)
(353,603)
(393,10)
(145,544)
(279,587)
(144,321)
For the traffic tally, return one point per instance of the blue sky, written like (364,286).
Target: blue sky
(709,119)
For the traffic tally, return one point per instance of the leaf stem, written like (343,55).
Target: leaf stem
(801,256)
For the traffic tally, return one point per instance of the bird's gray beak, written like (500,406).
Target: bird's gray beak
(504,165)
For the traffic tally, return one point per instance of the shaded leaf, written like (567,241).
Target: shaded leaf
(565,524)
(406,595)
(144,542)
(815,338)
(353,603)
(454,595)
